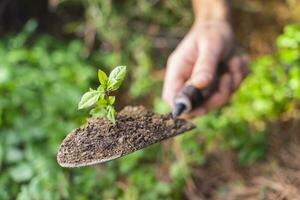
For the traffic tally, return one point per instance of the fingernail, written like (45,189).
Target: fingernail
(201,81)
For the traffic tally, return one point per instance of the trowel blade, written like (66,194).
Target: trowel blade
(96,142)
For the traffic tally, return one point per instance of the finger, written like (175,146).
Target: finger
(218,99)
(245,67)
(179,68)
(206,64)
(238,68)
(173,83)
(222,96)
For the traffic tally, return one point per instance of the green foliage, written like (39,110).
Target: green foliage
(101,97)
(42,79)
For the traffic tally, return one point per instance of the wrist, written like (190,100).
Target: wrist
(211,10)
(223,25)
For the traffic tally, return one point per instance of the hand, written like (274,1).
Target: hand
(196,59)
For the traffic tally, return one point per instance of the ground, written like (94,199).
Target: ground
(277,177)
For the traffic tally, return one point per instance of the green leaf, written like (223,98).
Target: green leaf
(14,155)
(116,78)
(21,172)
(101,89)
(111,100)
(111,114)
(89,98)
(99,111)
(102,102)
(102,77)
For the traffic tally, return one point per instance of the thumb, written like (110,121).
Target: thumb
(204,70)
(210,49)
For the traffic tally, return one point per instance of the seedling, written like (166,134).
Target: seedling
(102,98)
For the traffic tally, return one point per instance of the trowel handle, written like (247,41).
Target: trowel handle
(193,97)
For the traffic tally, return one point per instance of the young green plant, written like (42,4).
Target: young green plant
(102,98)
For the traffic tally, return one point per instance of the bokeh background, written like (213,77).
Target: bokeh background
(49,55)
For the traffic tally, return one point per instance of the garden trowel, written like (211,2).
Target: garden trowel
(99,140)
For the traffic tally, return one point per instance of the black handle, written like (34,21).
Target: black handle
(191,97)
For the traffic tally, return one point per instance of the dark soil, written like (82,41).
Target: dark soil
(99,140)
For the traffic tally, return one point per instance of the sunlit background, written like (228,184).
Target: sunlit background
(49,55)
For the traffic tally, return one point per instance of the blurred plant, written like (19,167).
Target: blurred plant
(102,96)
(41,80)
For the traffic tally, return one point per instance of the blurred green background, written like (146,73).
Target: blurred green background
(49,55)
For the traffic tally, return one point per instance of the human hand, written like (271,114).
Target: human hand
(196,59)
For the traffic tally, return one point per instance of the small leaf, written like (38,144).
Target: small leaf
(116,78)
(111,114)
(89,99)
(99,111)
(111,100)
(102,77)
(102,102)
(101,89)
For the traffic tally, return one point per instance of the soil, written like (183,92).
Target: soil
(99,140)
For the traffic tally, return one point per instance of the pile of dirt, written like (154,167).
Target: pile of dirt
(99,140)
